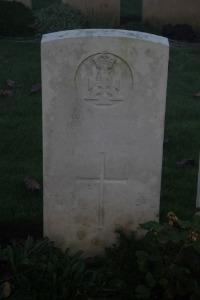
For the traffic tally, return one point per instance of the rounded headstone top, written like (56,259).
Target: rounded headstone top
(78,33)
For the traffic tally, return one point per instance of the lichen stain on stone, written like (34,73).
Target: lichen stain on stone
(97,242)
(129,224)
(81,234)
(84,221)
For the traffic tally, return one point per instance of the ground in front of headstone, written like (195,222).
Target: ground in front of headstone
(19,230)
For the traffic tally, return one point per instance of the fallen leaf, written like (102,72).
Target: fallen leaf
(6,93)
(7,289)
(31,184)
(197,94)
(185,162)
(12,84)
(36,88)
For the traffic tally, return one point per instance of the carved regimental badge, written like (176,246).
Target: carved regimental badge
(103,79)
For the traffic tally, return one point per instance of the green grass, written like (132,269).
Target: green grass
(21,133)
(182,127)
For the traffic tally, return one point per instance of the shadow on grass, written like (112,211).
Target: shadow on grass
(19,230)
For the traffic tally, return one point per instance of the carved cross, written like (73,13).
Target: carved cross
(102,180)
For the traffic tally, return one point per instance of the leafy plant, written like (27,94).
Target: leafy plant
(38,270)
(58,17)
(15,19)
(164,264)
(170,260)
(122,272)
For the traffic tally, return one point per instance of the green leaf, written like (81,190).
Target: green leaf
(76,256)
(142,292)
(155,257)
(183,235)
(10,253)
(142,260)
(150,280)
(194,297)
(173,236)
(185,224)
(152,225)
(193,286)
(196,220)
(141,255)
(163,282)
(162,238)
(28,245)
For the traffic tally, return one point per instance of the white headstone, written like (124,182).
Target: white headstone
(104,94)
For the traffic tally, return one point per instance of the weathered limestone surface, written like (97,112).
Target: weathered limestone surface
(172,11)
(25,2)
(106,12)
(104,94)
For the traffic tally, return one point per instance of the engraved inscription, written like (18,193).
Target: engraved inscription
(103,79)
(102,180)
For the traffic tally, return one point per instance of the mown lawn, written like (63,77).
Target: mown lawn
(182,128)
(20,131)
